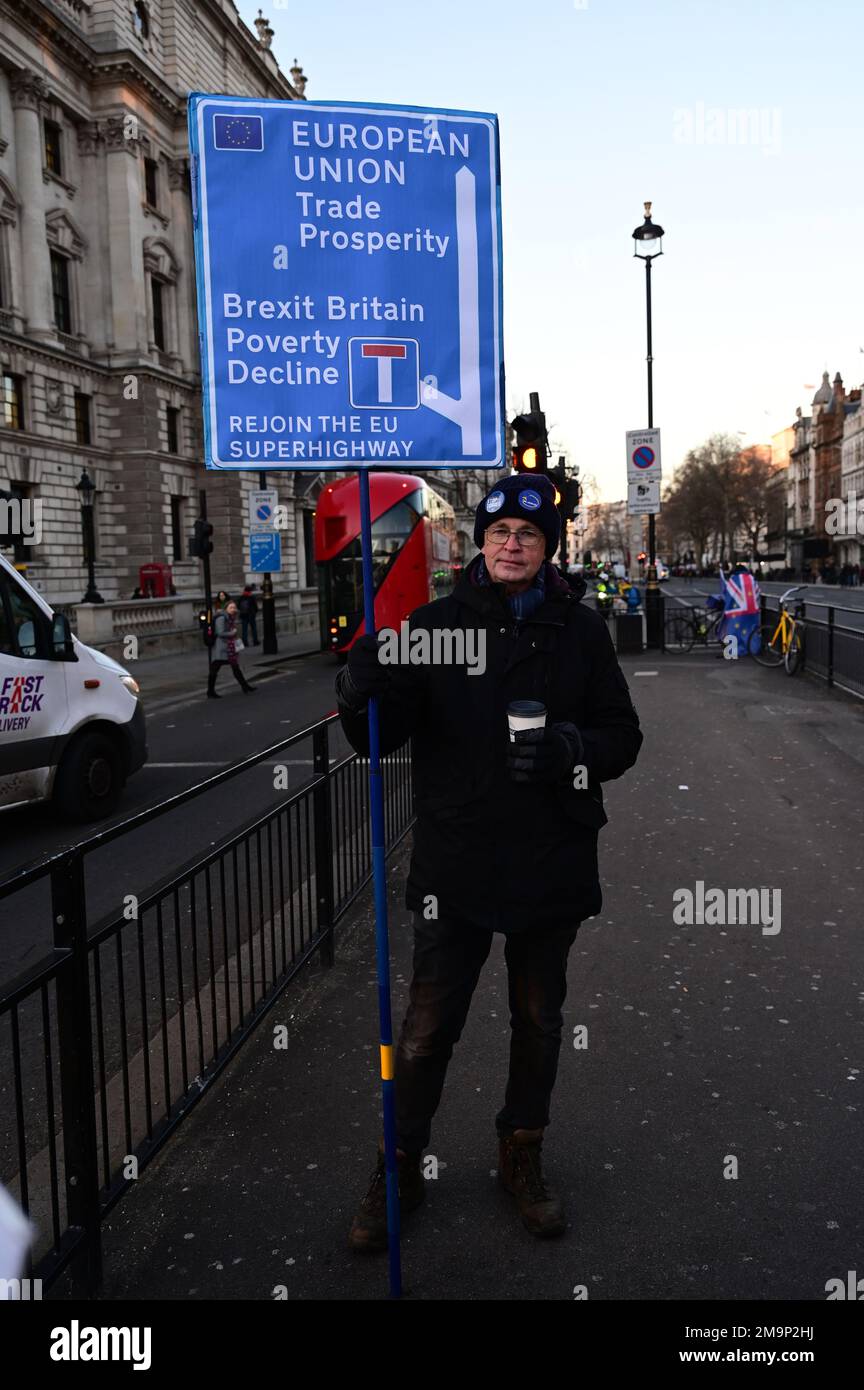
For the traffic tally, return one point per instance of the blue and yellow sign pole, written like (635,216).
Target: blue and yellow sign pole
(382,941)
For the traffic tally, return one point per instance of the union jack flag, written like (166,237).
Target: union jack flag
(740,608)
(741,595)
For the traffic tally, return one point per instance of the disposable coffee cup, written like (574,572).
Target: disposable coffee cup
(525,714)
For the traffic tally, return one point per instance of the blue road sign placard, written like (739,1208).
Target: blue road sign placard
(265,552)
(348,262)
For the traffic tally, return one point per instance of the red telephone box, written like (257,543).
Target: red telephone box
(155,580)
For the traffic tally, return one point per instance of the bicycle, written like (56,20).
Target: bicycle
(780,640)
(687,626)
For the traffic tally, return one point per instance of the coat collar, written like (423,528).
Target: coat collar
(488,599)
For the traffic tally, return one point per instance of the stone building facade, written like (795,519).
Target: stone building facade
(816,475)
(850,532)
(99,367)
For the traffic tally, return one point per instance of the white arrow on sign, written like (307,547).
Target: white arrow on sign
(466,411)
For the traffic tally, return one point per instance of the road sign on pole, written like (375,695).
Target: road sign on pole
(265,552)
(643,499)
(643,455)
(262,507)
(324,232)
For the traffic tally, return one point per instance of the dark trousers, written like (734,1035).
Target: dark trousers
(246,623)
(235,671)
(448,958)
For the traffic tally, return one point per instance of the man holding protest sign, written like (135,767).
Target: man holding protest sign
(508,760)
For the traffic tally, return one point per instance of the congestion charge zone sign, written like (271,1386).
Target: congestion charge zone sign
(348,262)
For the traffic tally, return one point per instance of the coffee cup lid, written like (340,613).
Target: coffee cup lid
(526,707)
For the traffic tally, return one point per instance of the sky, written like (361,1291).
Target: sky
(603,104)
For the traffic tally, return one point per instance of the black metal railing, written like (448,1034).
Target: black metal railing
(688,625)
(833,645)
(107,1042)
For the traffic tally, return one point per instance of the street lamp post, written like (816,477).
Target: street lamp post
(648,244)
(87,491)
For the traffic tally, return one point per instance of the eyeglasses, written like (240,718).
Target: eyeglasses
(500,535)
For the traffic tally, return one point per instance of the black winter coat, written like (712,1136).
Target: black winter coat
(502,854)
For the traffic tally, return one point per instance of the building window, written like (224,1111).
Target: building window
(141,20)
(177,528)
(53,148)
(22,493)
(151,182)
(60,291)
(83,430)
(172,425)
(5,277)
(13,401)
(158,291)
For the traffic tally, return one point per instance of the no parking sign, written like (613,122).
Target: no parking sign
(643,456)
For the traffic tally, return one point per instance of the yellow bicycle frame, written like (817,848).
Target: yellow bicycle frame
(785,628)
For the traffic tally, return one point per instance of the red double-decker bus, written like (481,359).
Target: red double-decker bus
(413,553)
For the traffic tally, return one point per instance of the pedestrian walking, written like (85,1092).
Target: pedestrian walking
(222,599)
(248,606)
(226,650)
(507,828)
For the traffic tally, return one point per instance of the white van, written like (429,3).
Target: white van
(71,724)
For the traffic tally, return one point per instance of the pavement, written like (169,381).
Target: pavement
(707,1138)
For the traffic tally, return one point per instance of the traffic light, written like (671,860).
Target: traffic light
(558,476)
(530,452)
(568,493)
(201,540)
(572,497)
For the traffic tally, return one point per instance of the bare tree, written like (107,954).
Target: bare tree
(718,491)
(755,472)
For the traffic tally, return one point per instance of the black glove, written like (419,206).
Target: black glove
(545,755)
(364,675)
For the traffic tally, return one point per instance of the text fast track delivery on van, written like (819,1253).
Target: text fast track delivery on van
(20,697)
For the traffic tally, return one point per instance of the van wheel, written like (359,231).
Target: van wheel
(89,779)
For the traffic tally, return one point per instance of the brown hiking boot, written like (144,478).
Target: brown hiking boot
(369,1227)
(520,1171)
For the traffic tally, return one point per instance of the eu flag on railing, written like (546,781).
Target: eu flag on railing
(238,132)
